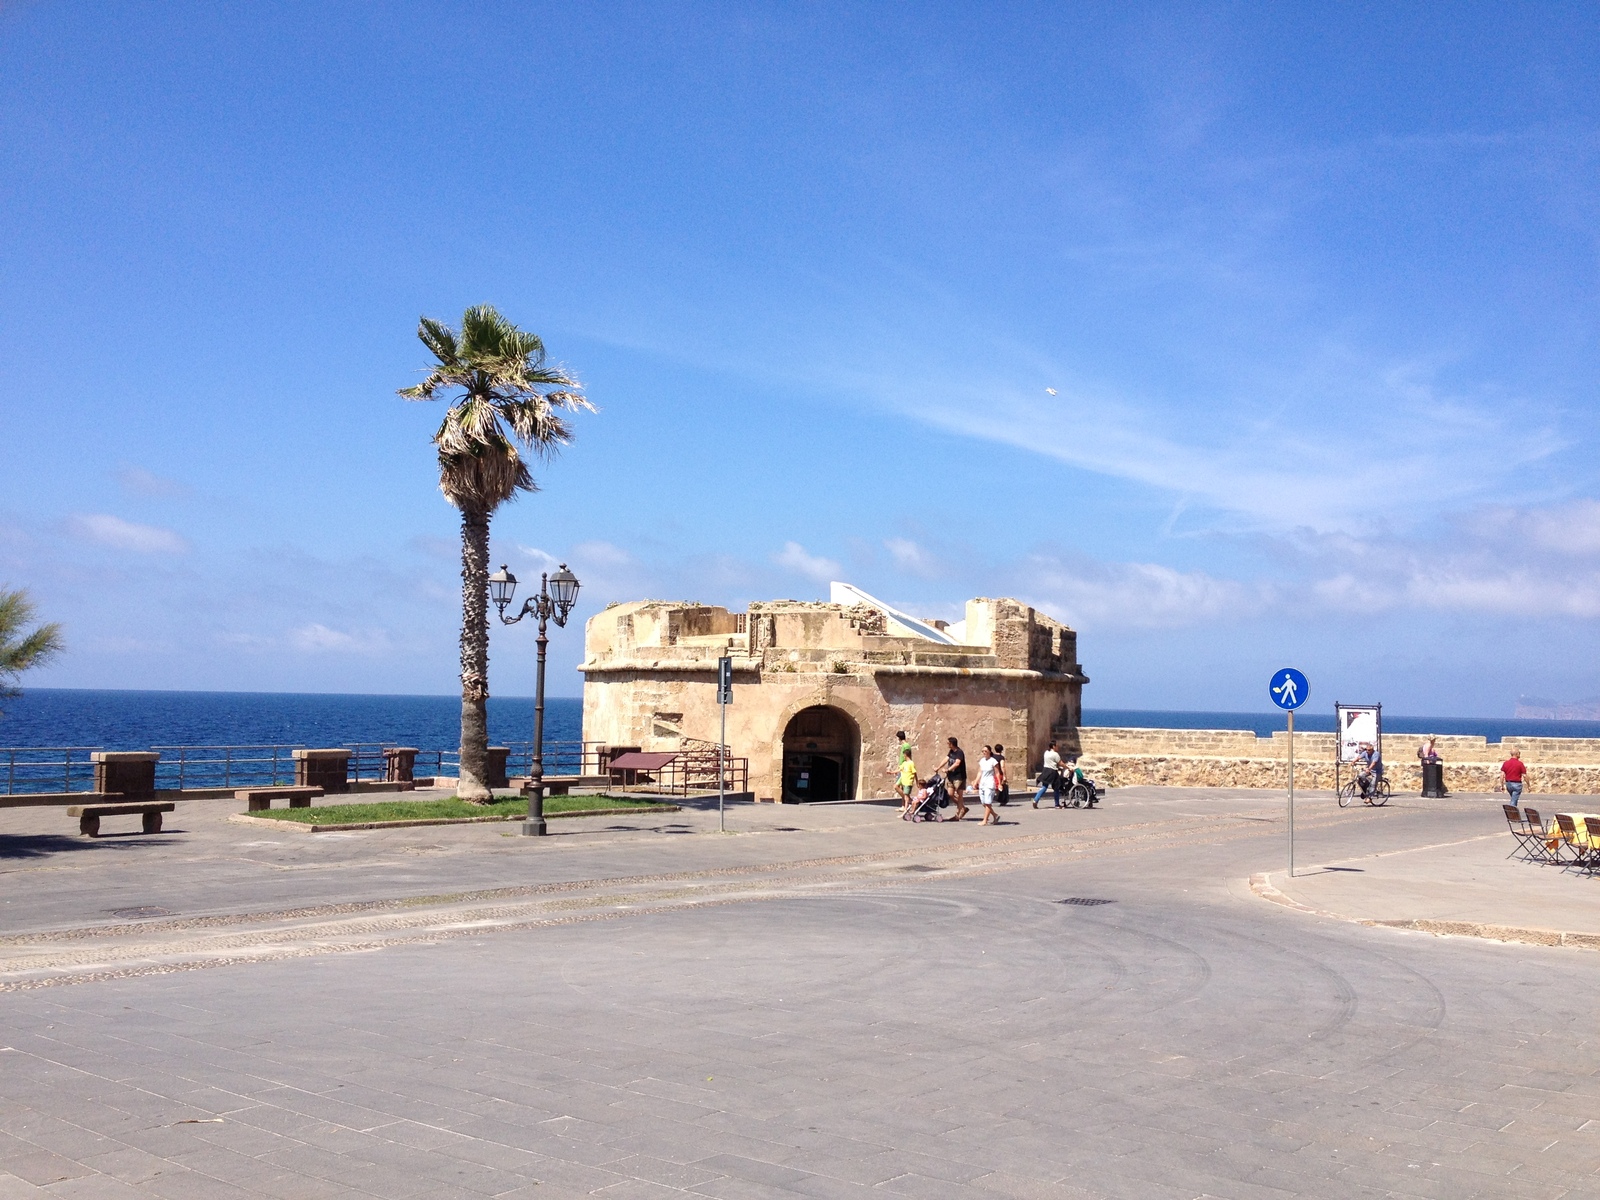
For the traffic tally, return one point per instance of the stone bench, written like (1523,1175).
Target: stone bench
(89,815)
(257,799)
(56,799)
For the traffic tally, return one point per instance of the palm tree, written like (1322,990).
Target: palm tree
(19,650)
(502,396)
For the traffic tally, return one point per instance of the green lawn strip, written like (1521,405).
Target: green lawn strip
(432,810)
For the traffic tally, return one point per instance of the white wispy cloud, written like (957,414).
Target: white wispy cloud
(911,557)
(107,530)
(317,638)
(794,557)
(136,481)
(1090,594)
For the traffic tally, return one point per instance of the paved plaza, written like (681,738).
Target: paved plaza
(824,1002)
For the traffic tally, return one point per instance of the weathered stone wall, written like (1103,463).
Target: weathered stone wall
(1238,758)
(650,681)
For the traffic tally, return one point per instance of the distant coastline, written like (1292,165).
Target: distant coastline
(1394,724)
(1538,708)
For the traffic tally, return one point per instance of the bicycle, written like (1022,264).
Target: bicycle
(1380,793)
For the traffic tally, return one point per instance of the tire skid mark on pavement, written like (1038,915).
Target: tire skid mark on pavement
(1087,838)
(40,960)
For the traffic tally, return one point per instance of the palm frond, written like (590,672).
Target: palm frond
(439,338)
(505,397)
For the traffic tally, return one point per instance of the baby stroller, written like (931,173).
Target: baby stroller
(928,801)
(1083,792)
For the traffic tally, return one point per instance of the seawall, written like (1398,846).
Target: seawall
(1238,758)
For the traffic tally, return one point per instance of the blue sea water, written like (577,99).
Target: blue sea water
(133,720)
(130,720)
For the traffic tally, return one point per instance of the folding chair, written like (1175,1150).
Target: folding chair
(1572,842)
(1530,841)
(1547,841)
(1591,826)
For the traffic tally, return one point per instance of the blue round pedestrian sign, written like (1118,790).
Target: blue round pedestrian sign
(1289,688)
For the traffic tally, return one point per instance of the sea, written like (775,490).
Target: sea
(136,720)
(140,720)
(235,739)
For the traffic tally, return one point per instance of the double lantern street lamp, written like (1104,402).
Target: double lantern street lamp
(557,594)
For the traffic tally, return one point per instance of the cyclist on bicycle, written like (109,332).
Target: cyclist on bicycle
(1371,771)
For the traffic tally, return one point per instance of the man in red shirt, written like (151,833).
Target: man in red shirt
(1513,770)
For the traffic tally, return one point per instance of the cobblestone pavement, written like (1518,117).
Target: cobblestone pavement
(828,1002)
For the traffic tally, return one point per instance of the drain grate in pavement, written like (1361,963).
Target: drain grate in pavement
(1084,901)
(134,914)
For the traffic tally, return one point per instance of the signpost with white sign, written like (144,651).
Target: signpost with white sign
(724,698)
(1289,689)
(1356,724)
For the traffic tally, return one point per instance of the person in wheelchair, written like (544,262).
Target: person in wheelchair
(1082,792)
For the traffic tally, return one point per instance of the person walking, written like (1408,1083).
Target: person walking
(991,776)
(1050,776)
(1005,788)
(1514,772)
(907,784)
(897,760)
(955,778)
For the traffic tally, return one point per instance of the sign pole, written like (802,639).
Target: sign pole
(1289,689)
(724,698)
(1291,793)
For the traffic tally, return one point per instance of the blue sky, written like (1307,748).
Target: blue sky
(1315,289)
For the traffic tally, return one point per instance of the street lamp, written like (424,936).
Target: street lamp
(557,595)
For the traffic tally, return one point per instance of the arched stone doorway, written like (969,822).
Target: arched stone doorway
(821,751)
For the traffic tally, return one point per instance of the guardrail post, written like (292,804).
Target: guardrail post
(131,772)
(400,764)
(326,769)
(495,767)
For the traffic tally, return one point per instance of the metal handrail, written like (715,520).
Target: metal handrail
(239,764)
(65,765)
(690,771)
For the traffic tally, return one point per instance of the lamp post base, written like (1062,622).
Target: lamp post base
(534,827)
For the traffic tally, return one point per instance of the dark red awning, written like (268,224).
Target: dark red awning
(636,760)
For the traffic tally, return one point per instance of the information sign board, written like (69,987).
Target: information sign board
(1358,723)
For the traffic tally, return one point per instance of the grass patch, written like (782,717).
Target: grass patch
(427,810)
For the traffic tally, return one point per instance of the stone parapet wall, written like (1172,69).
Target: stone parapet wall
(1238,758)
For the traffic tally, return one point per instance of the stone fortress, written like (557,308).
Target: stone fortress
(820,688)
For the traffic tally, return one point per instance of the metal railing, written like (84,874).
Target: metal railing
(367,759)
(48,769)
(224,766)
(560,758)
(689,771)
(69,769)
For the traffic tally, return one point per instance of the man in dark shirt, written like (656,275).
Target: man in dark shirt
(955,778)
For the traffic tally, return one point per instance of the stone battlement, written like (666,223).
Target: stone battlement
(821,688)
(1238,758)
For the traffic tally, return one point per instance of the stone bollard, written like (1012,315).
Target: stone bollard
(130,772)
(495,767)
(399,764)
(326,769)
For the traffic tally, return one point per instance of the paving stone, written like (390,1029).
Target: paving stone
(913,1037)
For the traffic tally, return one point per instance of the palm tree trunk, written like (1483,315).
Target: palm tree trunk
(474,657)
